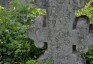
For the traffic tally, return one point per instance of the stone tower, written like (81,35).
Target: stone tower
(67,36)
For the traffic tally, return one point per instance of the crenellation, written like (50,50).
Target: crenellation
(65,43)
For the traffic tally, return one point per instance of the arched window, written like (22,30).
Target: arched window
(83,17)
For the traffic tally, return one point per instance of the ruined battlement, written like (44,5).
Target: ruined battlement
(66,37)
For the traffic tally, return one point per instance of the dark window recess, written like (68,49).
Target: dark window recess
(77,19)
(91,27)
(74,23)
(74,48)
(92,4)
(44,21)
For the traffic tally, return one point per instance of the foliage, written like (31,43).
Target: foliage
(32,62)
(36,62)
(89,55)
(15,46)
(87,10)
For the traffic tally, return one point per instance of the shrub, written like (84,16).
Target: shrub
(15,46)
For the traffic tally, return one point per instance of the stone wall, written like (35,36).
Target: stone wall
(65,44)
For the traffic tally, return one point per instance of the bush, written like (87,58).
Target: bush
(15,46)
(87,10)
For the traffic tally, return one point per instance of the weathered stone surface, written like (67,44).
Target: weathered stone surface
(38,31)
(60,35)
(23,1)
(41,3)
(4,3)
(79,3)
